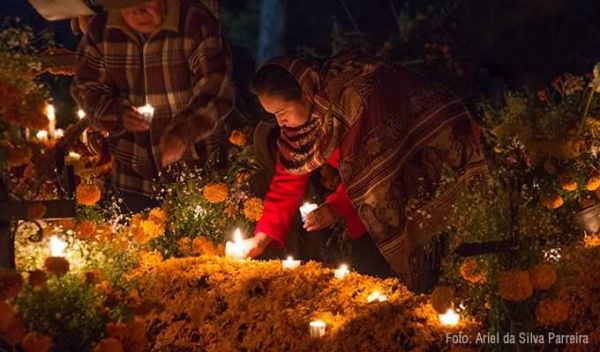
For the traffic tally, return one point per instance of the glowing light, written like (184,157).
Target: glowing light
(147,112)
(376,296)
(306,209)
(317,328)
(81,114)
(236,249)
(42,135)
(57,247)
(450,318)
(290,263)
(342,271)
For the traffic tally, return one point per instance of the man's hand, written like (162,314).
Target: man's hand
(173,145)
(133,121)
(256,245)
(320,218)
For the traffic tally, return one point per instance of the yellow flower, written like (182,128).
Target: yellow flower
(215,192)
(514,285)
(184,245)
(151,229)
(567,182)
(36,342)
(551,312)
(543,276)
(56,265)
(109,345)
(88,194)
(442,298)
(553,201)
(593,183)
(470,271)
(238,138)
(253,209)
(148,259)
(11,283)
(158,216)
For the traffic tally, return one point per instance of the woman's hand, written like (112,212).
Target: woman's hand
(256,245)
(320,218)
(173,146)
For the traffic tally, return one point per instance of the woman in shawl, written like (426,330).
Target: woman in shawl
(404,148)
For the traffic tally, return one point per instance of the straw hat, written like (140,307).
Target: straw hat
(120,4)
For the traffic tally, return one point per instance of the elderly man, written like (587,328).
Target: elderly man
(165,53)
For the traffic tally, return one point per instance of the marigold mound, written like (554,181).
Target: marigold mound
(218,304)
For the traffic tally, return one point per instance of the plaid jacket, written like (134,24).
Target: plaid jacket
(183,70)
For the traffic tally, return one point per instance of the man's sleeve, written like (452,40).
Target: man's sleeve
(92,86)
(213,91)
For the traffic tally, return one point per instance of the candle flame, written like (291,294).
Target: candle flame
(376,296)
(57,246)
(41,135)
(450,318)
(237,236)
(318,324)
(51,112)
(81,114)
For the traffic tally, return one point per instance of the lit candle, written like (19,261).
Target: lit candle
(306,209)
(57,247)
(51,113)
(147,112)
(290,263)
(59,133)
(42,135)
(236,248)
(342,271)
(450,318)
(84,136)
(376,296)
(72,158)
(317,328)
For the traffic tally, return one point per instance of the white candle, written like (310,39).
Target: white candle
(376,296)
(317,328)
(42,135)
(51,113)
(57,247)
(290,263)
(236,248)
(450,318)
(84,136)
(147,112)
(342,271)
(58,133)
(306,208)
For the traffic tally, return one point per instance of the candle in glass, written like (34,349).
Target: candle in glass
(51,113)
(84,136)
(236,248)
(57,247)
(306,208)
(290,263)
(450,318)
(342,271)
(317,328)
(147,112)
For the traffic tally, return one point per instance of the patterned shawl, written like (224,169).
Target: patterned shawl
(397,133)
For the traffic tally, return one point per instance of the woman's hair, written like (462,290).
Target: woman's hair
(276,81)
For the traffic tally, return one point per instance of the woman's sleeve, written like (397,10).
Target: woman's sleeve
(281,204)
(342,206)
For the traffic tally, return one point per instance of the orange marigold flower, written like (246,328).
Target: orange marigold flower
(109,345)
(442,298)
(36,211)
(591,241)
(253,209)
(553,201)
(37,278)
(147,258)
(471,271)
(593,183)
(201,245)
(56,265)
(158,215)
(551,312)
(184,245)
(86,230)
(14,332)
(88,194)
(36,342)
(238,138)
(11,283)
(567,182)
(543,276)
(514,285)
(7,315)
(151,230)
(215,192)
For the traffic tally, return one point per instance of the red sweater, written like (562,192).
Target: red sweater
(285,196)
